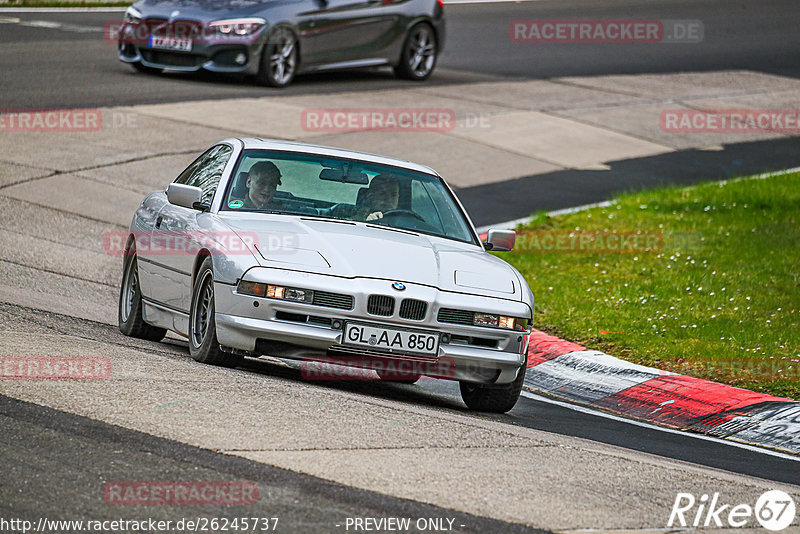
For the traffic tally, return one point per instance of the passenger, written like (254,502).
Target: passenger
(262,182)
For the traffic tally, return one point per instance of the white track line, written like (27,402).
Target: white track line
(598,413)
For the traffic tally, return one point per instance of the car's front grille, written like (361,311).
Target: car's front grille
(332,300)
(172,59)
(177,29)
(450,315)
(380,305)
(413,309)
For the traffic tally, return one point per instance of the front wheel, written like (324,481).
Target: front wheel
(496,399)
(203,344)
(419,54)
(279,59)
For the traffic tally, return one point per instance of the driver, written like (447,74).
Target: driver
(382,196)
(262,182)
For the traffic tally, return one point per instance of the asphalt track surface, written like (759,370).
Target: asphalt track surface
(76,67)
(62,459)
(73,65)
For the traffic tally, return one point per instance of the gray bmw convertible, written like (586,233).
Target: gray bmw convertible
(327,255)
(276,39)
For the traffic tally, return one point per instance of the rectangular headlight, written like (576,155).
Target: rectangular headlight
(486,319)
(499,321)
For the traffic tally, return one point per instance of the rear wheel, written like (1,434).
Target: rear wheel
(203,344)
(418,57)
(131,321)
(497,399)
(279,59)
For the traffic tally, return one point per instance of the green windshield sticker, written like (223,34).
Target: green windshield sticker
(235,204)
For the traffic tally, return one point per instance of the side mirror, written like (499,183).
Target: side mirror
(184,195)
(501,240)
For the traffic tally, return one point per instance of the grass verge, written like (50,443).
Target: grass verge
(708,283)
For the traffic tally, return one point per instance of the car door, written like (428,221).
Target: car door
(178,235)
(348,30)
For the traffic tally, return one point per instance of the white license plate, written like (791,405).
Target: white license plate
(390,339)
(167,43)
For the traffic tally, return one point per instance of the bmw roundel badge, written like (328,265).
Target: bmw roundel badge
(399,286)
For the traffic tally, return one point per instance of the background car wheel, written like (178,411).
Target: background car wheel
(279,59)
(418,57)
(203,344)
(131,322)
(147,70)
(398,376)
(497,399)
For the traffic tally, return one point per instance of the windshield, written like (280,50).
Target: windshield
(308,185)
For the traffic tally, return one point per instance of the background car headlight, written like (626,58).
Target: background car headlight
(237,27)
(132,15)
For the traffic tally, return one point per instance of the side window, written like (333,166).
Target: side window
(206,171)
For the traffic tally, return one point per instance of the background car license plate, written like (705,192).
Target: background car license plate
(379,337)
(184,45)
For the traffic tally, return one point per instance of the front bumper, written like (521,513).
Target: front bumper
(216,55)
(315,333)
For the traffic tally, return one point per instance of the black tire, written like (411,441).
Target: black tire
(398,377)
(279,59)
(147,70)
(203,344)
(419,54)
(496,399)
(129,310)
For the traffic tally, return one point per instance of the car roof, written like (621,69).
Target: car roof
(291,146)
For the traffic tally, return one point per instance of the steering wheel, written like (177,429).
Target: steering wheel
(398,211)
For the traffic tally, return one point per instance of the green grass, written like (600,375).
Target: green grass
(718,298)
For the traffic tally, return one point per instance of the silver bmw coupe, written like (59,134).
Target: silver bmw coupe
(276,39)
(317,254)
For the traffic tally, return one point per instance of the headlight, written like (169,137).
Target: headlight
(258,289)
(132,15)
(500,321)
(237,27)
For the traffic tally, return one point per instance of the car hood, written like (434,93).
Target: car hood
(358,250)
(202,9)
